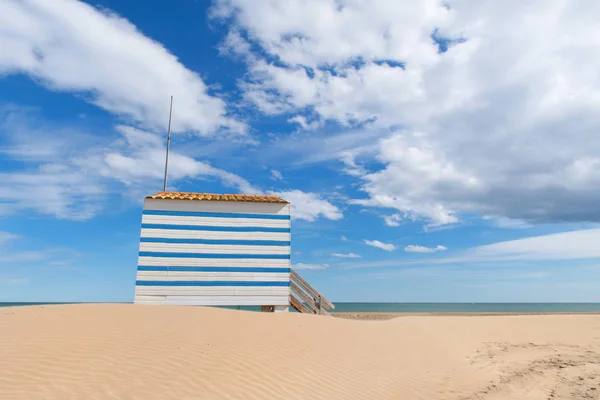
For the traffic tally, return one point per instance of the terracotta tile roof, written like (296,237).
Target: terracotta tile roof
(216,197)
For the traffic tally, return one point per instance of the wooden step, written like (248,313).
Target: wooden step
(305,298)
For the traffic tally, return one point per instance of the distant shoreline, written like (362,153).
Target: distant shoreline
(381,316)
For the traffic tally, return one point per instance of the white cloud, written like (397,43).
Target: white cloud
(301,266)
(422,249)
(343,255)
(71,175)
(506,223)
(305,124)
(54,189)
(344,238)
(235,45)
(315,147)
(493,116)
(582,244)
(309,206)
(294,33)
(565,246)
(392,220)
(276,175)
(348,157)
(381,245)
(408,167)
(142,157)
(71,46)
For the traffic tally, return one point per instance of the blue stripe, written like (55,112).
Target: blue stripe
(213,214)
(217,241)
(210,283)
(210,255)
(212,269)
(216,228)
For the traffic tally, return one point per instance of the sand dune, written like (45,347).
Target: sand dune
(159,352)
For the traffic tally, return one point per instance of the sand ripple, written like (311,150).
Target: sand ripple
(149,352)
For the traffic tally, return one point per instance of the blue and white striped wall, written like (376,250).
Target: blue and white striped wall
(219,253)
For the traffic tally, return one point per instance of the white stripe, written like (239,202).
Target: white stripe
(217,206)
(211,262)
(211,291)
(185,234)
(214,221)
(212,276)
(213,248)
(215,301)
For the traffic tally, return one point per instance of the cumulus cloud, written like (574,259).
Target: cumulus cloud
(303,122)
(344,255)
(381,245)
(71,46)
(422,249)
(392,220)
(309,206)
(300,266)
(486,117)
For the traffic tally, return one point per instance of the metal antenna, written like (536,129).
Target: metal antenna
(168,146)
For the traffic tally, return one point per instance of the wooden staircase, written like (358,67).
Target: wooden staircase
(306,299)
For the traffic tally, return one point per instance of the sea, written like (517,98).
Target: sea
(430,307)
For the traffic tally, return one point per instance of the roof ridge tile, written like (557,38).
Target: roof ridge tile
(198,196)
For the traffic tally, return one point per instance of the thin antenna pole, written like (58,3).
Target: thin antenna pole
(168,146)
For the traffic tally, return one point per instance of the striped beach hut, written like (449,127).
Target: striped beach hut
(214,250)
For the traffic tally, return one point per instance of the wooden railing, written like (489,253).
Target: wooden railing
(306,299)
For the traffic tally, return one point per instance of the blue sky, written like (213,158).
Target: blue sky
(431,151)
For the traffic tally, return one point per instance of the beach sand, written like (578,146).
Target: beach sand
(124,351)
